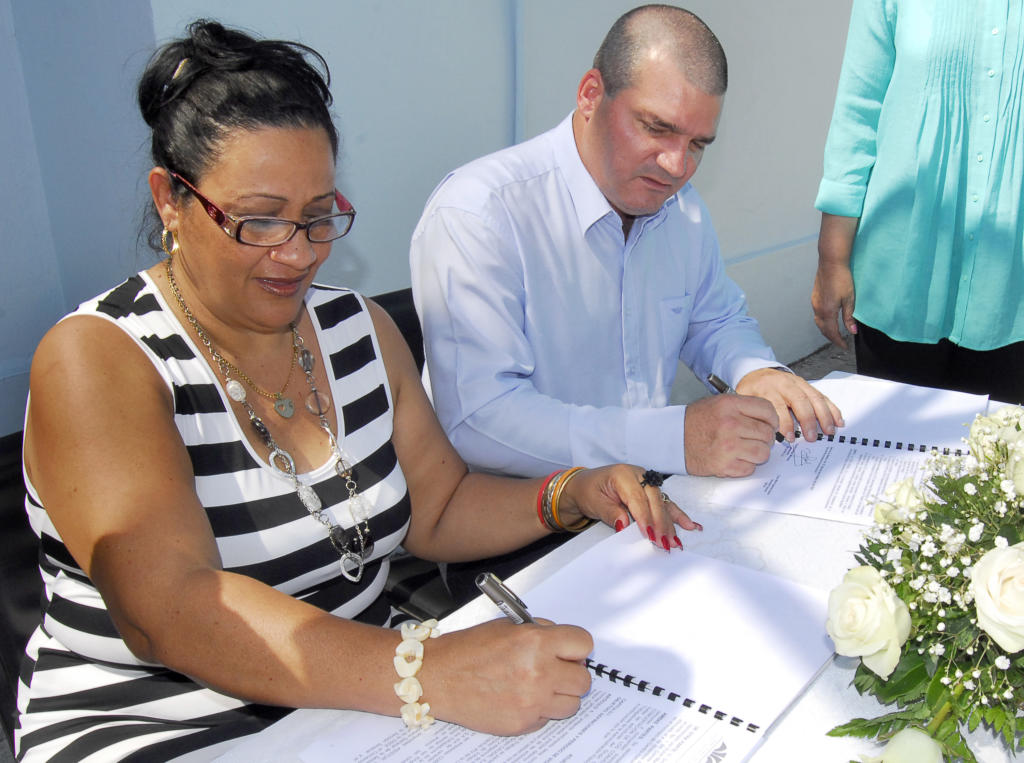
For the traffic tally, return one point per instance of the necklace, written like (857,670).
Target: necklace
(284,406)
(354,544)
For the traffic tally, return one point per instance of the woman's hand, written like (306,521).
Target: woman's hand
(833,297)
(506,679)
(614,495)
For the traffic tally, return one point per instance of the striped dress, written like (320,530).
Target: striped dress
(83,695)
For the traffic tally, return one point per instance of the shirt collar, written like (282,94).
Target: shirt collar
(590,204)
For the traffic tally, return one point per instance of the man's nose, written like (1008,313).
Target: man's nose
(676,162)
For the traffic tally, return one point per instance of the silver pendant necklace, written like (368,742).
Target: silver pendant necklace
(353,545)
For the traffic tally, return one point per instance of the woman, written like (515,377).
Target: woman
(921,252)
(220,456)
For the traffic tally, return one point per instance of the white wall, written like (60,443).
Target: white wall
(760,177)
(419,88)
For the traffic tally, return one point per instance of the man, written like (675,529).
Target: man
(560,281)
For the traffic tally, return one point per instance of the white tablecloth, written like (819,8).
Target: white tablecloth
(813,551)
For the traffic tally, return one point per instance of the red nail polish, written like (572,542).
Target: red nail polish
(699,526)
(650,534)
(675,539)
(664,542)
(619,525)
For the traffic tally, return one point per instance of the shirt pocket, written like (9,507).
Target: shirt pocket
(674,314)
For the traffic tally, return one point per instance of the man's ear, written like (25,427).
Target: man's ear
(589,93)
(163,197)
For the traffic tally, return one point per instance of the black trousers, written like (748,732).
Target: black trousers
(997,373)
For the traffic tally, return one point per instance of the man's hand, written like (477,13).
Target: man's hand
(728,435)
(792,397)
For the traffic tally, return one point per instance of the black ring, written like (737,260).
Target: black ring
(652,478)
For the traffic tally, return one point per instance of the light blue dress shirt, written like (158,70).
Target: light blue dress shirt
(550,340)
(926,147)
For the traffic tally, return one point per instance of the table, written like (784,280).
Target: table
(808,550)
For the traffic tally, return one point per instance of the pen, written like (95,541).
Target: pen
(724,389)
(503,598)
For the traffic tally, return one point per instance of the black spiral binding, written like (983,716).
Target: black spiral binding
(613,675)
(909,447)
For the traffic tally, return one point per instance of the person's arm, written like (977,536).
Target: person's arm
(118,486)
(459,516)
(468,286)
(850,154)
(833,297)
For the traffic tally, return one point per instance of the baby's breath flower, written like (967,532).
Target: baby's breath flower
(1002,662)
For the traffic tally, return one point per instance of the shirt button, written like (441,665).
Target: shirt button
(974,197)
(986,117)
(995,30)
(991,72)
(970,236)
(981,157)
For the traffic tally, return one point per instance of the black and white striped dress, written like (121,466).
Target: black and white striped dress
(83,695)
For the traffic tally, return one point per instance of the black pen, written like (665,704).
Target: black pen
(503,598)
(724,389)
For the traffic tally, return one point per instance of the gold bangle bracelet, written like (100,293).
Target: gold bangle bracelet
(584,521)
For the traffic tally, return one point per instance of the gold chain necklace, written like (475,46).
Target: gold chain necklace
(353,545)
(284,406)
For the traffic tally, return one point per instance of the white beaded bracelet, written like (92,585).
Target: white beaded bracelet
(408,661)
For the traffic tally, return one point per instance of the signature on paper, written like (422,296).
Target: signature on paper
(797,455)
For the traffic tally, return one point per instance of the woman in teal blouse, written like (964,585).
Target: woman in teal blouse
(920,252)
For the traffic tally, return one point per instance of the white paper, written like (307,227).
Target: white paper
(615,724)
(887,424)
(743,642)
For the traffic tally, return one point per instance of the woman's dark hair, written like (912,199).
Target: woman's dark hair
(214,80)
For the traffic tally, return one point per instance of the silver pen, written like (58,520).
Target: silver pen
(510,604)
(724,389)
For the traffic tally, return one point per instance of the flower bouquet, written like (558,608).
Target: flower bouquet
(935,610)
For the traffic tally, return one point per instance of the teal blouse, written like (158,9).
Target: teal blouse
(926,147)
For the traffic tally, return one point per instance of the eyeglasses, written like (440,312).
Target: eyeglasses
(273,231)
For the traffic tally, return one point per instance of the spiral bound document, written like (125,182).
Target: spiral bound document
(891,430)
(632,682)
(694,659)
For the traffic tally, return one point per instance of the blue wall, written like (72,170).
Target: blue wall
(419,88)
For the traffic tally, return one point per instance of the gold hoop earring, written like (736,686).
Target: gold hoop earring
(171,248)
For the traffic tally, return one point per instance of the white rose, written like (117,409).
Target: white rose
(898,501)
(1001,426)
(909,746)
(1015,465)
(997,582)
(867,619)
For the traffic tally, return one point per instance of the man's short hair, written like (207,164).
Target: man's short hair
(687,39)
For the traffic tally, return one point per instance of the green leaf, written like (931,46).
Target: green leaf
(957,749)
(1010,532)
(908,681)
(973,719)
(937,693)
(887,724)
